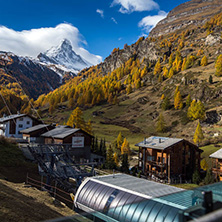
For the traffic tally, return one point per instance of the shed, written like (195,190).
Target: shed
(79,140)
(217,164)
(33,134)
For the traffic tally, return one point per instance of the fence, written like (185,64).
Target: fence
(53,190)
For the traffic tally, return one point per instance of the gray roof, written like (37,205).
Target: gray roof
(217,154)
(14,116)
(60,132)
(34,128)
(160,143)
(66,133)
(146,187)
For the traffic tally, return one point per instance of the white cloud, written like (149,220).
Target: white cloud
(32,42)
(114,20)
(149,22)
(128,6)
(101,12)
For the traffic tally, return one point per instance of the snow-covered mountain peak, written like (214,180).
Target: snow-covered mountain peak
(64,55)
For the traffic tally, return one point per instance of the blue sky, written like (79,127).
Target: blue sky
(94,26)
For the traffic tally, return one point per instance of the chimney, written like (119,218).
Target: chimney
(159,140)
(144,140)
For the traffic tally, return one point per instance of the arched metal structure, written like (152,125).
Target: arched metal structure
(125,198)
(112,203)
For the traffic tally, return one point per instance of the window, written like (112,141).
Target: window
(21,119)
(150,158)
(20,125)
(28,122)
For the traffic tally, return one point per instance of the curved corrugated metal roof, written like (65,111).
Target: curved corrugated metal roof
(122,205)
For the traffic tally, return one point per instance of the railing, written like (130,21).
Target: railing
(56,192)
(216,170)
(156,163)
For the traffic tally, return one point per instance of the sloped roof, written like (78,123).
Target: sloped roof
(217,154)
(141,186)
(66,132)
(160,143)
(14,116)
(58,130)
(34,128)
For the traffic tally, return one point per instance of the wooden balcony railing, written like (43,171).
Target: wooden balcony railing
(156,163)
(217,170)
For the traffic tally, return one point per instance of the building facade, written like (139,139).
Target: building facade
(33,134)
(168,159)
(10,126)
(78,140)
(217,164)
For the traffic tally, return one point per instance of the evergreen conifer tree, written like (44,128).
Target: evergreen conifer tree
(165,105)
(209,177)
(196,177)
(188,100)
(110,163)
(125,163)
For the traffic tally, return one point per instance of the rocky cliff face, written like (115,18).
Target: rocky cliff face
(142,49)
(195,12)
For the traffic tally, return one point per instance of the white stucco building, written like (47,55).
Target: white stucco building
(10,126)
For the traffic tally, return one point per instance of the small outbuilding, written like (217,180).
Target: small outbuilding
(217,164)
(79,140)
(33,134)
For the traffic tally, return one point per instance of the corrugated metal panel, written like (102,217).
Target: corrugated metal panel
(122,205)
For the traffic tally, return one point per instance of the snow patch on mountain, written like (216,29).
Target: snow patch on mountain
(63,57)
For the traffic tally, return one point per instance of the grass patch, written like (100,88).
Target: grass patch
(186,186)
(11,155)
(208,150)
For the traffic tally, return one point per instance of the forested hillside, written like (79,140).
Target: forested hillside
(180,79)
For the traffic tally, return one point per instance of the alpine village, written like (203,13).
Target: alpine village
(137,137)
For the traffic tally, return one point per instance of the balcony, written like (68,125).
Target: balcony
(156,163)
(217,170)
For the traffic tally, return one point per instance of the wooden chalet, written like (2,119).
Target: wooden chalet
(33,134)
(169,159)
(217,164)
(78,140)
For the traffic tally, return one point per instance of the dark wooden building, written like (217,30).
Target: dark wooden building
(78,140)
(217,164)
(170,159)
(33,134)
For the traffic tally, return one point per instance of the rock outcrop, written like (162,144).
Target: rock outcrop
(195,12)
